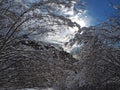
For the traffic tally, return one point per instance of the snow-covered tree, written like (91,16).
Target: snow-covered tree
(19,20)
(19,17)
(98,52)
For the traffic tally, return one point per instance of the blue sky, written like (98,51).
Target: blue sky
(100,10)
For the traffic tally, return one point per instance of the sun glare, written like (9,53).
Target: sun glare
(80,21)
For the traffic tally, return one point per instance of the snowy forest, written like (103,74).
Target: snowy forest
(46,45)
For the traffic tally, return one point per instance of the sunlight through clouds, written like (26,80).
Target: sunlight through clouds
(81,18)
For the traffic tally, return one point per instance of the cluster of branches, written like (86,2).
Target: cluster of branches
(18,20)
(38,18)
(100,51)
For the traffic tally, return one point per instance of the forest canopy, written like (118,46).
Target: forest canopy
(46,43)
